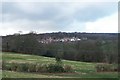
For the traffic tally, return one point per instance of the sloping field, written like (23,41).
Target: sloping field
(82,69)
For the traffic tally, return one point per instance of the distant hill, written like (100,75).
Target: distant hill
(88,47)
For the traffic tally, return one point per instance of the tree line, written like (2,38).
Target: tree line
(99,47)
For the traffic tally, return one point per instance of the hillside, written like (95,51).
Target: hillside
(85,47)
(82,69)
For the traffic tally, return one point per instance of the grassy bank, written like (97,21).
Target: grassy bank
(82,69)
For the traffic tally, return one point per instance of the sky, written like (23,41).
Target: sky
(53,16)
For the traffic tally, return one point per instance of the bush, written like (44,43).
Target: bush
(6,66)
(105,67)
(3,65)
(68,68)
(31,67)
(115,67)
(58,60)
(55,68)
(23,67)
(13,66)
(41,68)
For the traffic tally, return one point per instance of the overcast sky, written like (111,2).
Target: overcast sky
(43,17)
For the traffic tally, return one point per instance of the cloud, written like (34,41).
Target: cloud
(75,26)
(95,11)
(61,0)
(27,26)
(56,11)
(106,25)
(55,16)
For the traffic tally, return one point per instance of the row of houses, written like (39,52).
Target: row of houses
(66,39)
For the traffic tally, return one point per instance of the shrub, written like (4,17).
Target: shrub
(31,67)
(23,67)
(41,68)
(55,68)
(68,68)
(105,67)
(115,67)
(6,66)
(58,60)
(3,65)
(13,66)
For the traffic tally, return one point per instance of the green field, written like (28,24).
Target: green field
(82,69)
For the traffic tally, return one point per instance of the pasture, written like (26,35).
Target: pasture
(81,69)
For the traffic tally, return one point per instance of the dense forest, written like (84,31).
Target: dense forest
(86,47)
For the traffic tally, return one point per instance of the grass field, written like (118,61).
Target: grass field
(82,69)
